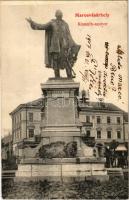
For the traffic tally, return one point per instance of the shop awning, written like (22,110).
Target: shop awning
(121,147)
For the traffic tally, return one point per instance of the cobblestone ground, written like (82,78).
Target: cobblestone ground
(113,189)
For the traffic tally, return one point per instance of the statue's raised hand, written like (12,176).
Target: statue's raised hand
(29,20)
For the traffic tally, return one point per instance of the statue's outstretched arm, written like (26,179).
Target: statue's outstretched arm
(37,26)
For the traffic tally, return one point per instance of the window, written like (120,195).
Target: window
(31,117)
(14,137)
(41,130)
(20,116)
(118,120)
(98,120)
(118,134)
(31,133)
(88,133)
(109,134)
(17,134)
(15,120)
(108,120)
(87,119)
(98,134)
(20,134)
(42,116)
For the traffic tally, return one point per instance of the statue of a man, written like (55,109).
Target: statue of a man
(60,49)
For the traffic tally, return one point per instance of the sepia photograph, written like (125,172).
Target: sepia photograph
(64,102)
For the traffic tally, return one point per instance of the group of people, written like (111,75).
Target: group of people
(117,160)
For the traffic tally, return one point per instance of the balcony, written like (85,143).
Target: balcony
(33,141)
(29,140)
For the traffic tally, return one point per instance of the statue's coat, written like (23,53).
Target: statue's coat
(57,38)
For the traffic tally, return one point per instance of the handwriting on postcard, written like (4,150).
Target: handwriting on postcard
(101,80)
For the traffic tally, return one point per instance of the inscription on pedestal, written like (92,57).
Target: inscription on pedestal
(61,109)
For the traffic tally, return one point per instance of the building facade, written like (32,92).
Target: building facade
(102,121)
(126,127)
(26,119)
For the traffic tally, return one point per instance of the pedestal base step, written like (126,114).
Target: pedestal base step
(46,171)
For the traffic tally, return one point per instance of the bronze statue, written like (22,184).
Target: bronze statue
(60,49)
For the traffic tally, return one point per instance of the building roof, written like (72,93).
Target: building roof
(89,105)
(99,106)
(38,103)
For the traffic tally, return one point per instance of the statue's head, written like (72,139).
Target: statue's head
(59,14)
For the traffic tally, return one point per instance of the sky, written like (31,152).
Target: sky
(22,49)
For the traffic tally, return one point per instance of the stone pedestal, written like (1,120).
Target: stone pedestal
(65,169)
(61,115)
(61,123)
